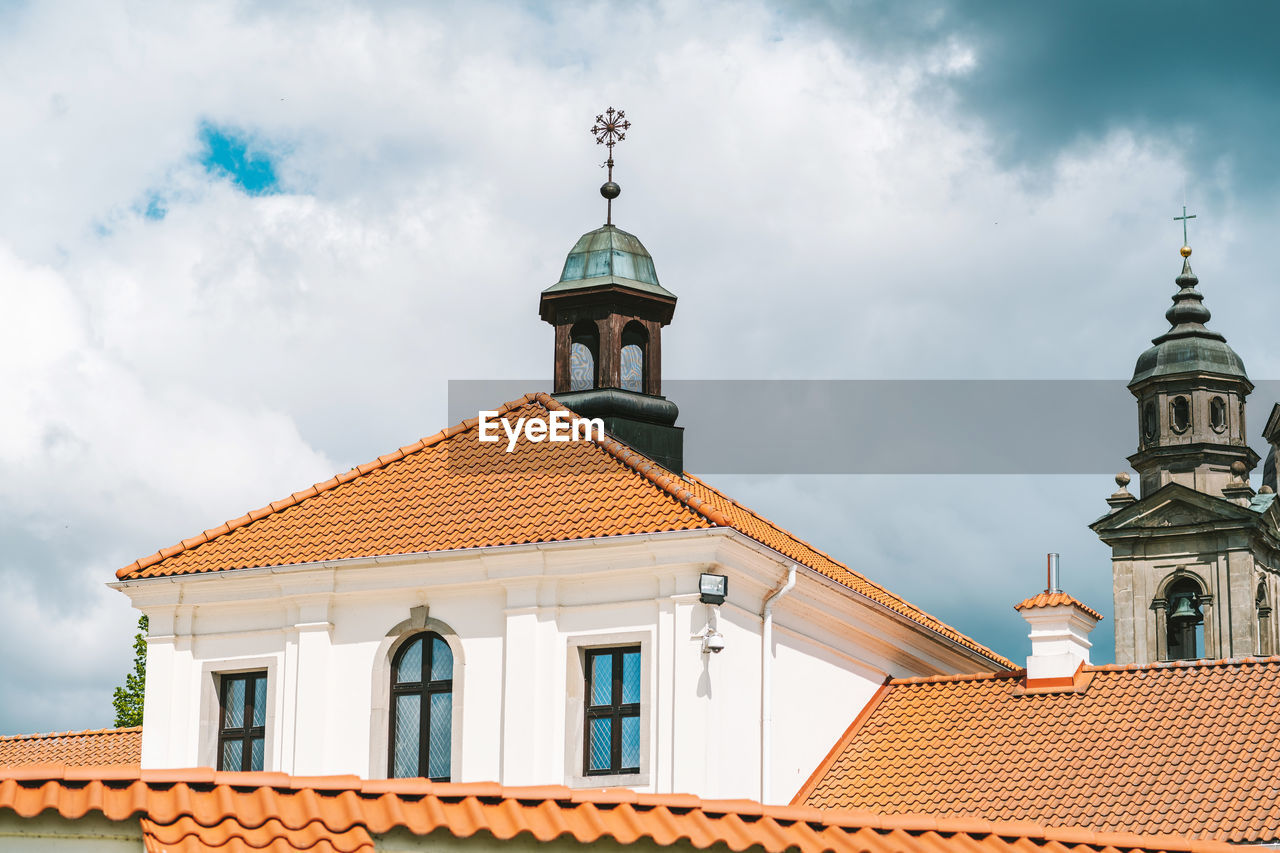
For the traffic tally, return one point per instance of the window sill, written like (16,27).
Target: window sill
(617,780)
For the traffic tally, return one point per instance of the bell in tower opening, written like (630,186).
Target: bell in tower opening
(608,310)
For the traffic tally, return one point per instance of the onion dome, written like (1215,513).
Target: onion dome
(1189,346)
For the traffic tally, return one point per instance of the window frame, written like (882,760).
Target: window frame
(1218,414)
(616,710)
(424,688)
(246,734)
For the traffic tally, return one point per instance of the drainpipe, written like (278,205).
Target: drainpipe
(766,681)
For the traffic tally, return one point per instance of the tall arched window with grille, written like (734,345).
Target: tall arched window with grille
(422,709)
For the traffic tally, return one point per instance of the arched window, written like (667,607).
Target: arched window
(1184,622)
(1181,414)
(635,340)
(1265,646)
(1217,414)
(584,346)
(422,708)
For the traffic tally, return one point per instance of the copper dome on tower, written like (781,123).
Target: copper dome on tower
(609,255)
(1189,346)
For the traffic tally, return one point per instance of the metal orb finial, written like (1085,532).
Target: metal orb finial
(1185,251)
(610,128)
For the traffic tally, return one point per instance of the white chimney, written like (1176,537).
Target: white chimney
(1060,628)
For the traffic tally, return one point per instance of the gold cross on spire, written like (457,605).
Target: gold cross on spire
(1183,219)
(610,129)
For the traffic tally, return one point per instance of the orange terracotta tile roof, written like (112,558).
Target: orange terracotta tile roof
(1185,748)
(451,491)
(93,747)
(1056,599)
(199,810)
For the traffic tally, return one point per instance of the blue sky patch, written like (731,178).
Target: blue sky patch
(156,206)
(231,153)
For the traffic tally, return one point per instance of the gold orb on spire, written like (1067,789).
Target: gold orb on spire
(1186,251)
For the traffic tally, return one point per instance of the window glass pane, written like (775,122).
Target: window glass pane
(632,368)
(630,677)
(233,711)
(441,735)
(410,667)
(257,751)
(230,758)
(630,741)
(260,701)
(601,679)
(408,709)
(601,742)
(441,660)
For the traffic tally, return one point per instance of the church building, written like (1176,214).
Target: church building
(580,613)
(470,641)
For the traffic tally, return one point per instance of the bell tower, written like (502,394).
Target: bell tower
(608,311)
(1195,556)
(1191,389)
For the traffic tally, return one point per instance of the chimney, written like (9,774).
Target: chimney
(1060,628)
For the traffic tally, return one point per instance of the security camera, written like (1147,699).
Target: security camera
(713,643)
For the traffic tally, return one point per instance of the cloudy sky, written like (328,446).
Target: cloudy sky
(244,247)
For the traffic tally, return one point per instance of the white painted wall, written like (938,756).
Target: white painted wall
(518,619)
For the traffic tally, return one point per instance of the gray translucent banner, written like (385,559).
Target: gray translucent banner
(891,426)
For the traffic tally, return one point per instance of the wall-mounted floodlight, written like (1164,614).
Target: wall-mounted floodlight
(712,588)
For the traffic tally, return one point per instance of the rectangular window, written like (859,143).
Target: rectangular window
(242,726)
(611,740)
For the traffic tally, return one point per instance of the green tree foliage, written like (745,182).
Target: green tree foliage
(128,699)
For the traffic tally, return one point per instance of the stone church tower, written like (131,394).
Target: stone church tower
(1195,556)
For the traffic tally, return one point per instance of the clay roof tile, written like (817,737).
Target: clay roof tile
(94,747)
(1159,748)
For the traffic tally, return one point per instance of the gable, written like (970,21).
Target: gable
(1174,505)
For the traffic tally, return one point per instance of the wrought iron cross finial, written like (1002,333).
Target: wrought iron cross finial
(610,129)
(1183,218)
